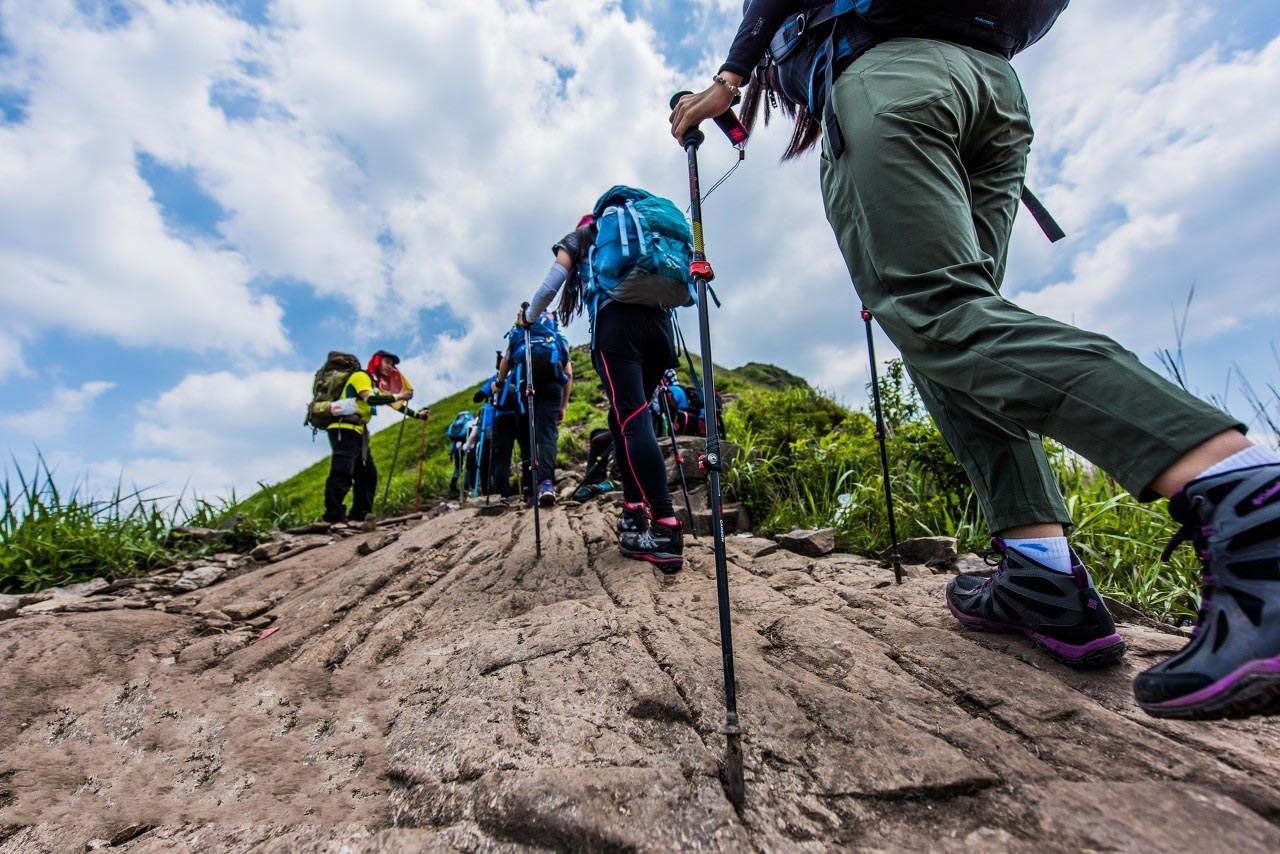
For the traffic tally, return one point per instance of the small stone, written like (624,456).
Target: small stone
(928,551)
(217,624)
(201,576)
(211,614)
(50,606)
(314,528)
(9,606)
(809,543)
(101,603)
(755,547)
(261,622)
(129,832)
(972,564)
(247,609)
(97,844)
(84,588)
(372,544)
(266,551)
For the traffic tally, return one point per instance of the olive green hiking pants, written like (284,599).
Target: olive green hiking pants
(922,202)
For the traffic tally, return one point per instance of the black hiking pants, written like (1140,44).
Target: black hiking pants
(350,466)
(505,428)
(633,345)
(546,428)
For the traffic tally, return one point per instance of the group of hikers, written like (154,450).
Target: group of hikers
(924,135)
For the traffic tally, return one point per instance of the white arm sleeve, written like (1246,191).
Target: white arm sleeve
(547,291)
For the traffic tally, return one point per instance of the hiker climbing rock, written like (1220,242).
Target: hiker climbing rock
(925,133)
(544,353)
(628,295)
(504,414)
(343,398)
(457,433)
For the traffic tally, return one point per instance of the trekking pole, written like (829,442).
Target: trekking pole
(675,449)
(386,490)
(534,470)
(884,453)
(702,273)
(422,456)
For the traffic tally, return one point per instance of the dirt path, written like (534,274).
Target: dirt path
(450,692)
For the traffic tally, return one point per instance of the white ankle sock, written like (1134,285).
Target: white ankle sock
(1053,552)
(1258,455)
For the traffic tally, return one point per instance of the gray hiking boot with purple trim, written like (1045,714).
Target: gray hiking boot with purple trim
(1231,667)
(1062,612)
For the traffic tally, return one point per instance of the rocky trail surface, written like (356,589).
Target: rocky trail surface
(438,688)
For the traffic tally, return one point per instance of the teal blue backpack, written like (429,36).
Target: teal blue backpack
(641,254)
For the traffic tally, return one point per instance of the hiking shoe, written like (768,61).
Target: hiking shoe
(661,545)
(1062,612)
(633,521)
(1231,666)
(546,494)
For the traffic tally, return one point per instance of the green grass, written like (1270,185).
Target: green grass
(50,537)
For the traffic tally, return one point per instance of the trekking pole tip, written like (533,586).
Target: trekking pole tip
(734,779)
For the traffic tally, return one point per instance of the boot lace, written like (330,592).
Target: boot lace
(1198,535)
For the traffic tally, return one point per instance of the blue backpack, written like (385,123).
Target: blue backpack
(549,352)
(457,431)
(641,254)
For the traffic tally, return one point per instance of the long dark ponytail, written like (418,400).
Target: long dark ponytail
(764,91)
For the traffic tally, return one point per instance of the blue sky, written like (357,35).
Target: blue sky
(199,199)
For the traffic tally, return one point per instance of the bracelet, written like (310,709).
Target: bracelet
(726,84)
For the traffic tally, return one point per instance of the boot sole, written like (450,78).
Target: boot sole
(1102,652)
(1251,690)
(665,561)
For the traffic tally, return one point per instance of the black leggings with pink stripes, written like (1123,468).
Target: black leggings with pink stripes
(633,345)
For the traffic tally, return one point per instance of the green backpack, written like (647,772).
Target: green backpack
(327,388)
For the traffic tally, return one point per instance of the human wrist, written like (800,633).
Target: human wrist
(730,81)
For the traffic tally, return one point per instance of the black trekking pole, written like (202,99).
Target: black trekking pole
(884,453)
(386,490)
(675,449)
(534,469)
(702,273)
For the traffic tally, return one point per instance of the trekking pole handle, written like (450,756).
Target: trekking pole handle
(693,136)
(728,122)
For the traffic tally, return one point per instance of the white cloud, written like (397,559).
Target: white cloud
(83,246)
(412,155)
(1158,163)
(63,407)
(224,430)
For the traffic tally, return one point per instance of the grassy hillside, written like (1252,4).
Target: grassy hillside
(299,498)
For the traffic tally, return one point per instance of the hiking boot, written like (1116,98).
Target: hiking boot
(1062,612)
(546,494)
(661,545)
(633,520)
(1231,666)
